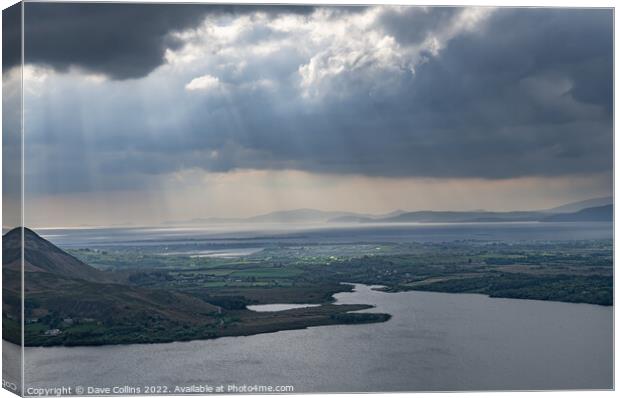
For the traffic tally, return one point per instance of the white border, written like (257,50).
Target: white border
(487,3)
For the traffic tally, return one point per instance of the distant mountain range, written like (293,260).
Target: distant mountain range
(297,216)
(584,204)
(598,209)
(599,213)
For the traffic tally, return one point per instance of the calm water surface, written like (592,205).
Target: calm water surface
(435,341)
(278,307)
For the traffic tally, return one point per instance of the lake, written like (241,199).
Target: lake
(434,341)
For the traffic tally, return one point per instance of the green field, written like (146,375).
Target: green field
(576,271)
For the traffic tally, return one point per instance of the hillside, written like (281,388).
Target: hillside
(42,256)
(58,286)
(600,213)
(459,216)
(583,204)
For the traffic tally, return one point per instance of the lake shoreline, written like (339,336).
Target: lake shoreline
(399,289)
(250,323)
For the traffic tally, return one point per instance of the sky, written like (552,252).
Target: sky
(142,114)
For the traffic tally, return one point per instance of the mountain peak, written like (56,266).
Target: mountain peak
(43,256)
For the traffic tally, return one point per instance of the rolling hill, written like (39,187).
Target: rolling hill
(583,204)
(600,213)
(459,216)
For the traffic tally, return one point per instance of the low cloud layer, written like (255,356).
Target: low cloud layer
(379,92)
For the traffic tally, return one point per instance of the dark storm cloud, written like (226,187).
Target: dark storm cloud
(520,44)
(11,115)
(11,36)
(413,24)
(500,94)
(526,93)
(121,41)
